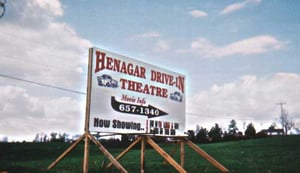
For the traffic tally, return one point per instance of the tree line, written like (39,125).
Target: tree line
(200,135)
(216,134)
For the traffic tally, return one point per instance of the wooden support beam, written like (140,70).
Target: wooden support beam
(143,155)
(114,161)
(85,168)
(182,153)
(165,155)
(107,154)
(125,151)
(66,152)
(172,152)
(206,156)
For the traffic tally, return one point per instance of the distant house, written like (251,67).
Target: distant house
(271,132)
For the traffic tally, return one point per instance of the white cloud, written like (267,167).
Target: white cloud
(151,41)
(22,113)
(198,13)
(151,34)
(249,99)
(17,100)
(238,6)
(162,45)
(33,13)
(47,51)
(255,45)
(53,6)
(35,46)
(234,7)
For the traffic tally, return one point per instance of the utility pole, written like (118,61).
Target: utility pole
(283,117)
(281,107)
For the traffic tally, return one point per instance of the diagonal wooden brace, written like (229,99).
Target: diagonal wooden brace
(53,164)
(107,154)
(125,151)
(165,155)
(206,156)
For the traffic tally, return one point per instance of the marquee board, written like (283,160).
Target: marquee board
(130,96)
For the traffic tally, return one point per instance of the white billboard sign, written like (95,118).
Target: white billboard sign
(130,96)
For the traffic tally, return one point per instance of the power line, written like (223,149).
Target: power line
(42,84)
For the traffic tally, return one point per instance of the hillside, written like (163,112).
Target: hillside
(279,154)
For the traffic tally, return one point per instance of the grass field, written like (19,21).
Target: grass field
(280,154)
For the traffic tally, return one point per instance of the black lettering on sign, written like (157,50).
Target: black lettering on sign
(101,123)
(149,111)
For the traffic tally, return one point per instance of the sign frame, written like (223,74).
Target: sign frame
(139,98)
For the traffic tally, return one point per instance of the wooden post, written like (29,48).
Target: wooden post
(182,153)
(88,91)
(85,167)
(206,156)
(143,155)
(87,114)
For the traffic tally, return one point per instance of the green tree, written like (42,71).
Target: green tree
(53,136)
(201,136)
(273,126)
(124,139)
(215,133)
(232,129)
(250,131)
(286,122)
(191,135)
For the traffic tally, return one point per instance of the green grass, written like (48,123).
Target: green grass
(279,154)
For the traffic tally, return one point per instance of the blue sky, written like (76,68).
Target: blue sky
(240,58)
(136,28)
